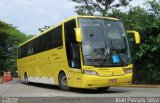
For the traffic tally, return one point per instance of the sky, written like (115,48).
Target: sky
(30,15)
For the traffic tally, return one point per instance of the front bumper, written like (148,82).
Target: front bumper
(90,81)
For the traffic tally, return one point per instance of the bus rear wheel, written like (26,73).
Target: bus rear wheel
(102,89)
(63,82)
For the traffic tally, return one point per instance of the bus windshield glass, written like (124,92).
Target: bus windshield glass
(104,42)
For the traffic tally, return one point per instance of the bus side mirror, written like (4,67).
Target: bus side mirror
(78,34)
(136,35)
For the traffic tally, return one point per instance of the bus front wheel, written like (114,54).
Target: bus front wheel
(63,82)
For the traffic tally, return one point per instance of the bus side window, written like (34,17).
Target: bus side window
(24,50)
(72,48)
(19,52)
(30,48)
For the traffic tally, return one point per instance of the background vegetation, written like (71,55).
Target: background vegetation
(146,21)
(10,38)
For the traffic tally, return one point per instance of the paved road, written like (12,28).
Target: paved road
(18,89)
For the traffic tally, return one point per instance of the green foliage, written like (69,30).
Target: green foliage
(10,38)
(100,7)
(83,10)
(155,6)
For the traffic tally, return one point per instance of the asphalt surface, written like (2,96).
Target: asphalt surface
(41,93)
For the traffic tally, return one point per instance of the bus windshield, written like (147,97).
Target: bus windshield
(104,42)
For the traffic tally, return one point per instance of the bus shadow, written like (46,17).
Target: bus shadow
(82,91)
(45,86)
(95,91)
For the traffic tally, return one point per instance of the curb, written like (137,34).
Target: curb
(140,86)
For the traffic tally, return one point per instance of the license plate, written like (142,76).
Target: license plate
(113,81)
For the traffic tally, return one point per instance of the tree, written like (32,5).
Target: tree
(10,38)
(155,6)
(91,7)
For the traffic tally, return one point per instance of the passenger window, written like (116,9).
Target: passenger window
(56,37)
(30,48)
(19,52)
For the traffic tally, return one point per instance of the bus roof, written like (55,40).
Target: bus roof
(68,19)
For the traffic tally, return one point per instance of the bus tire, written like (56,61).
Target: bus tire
(102,89)
(63,82)
(26,79)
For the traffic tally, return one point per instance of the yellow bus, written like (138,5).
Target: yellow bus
(80,52)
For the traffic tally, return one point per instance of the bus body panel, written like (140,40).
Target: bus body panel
(43,65)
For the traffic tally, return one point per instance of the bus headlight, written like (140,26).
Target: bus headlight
(127,71)
(90,72)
